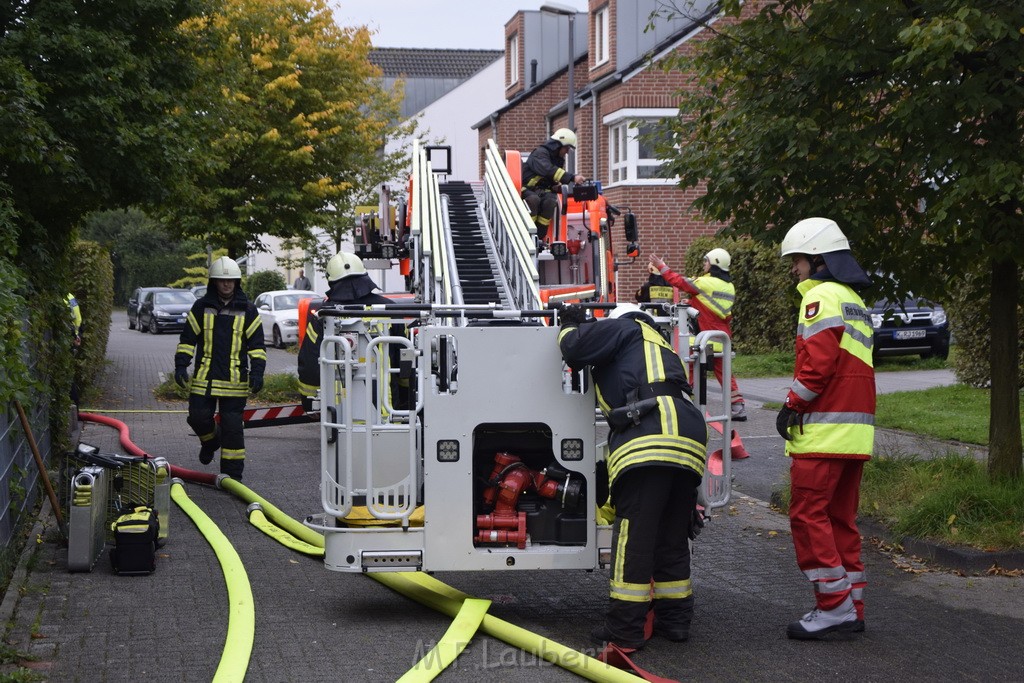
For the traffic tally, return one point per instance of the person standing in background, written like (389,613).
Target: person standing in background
(302,282)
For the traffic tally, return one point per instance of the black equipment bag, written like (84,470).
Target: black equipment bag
(135,537)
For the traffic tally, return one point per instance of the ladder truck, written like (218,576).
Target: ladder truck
(466,444)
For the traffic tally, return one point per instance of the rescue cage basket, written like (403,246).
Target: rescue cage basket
(357,418)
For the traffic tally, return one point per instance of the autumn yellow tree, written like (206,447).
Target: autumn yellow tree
(292,119)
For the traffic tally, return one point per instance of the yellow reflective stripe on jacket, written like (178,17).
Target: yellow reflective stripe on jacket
(716,294)
(237,326)
(188,349)
(219,387)
(203,368)
(835,437)
(671,449)
(653,344)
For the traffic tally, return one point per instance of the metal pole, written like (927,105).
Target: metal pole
(571,120)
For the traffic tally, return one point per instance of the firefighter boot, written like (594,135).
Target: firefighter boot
(602,634)
(672,618)
(232,467)
(818,623)
(208,447)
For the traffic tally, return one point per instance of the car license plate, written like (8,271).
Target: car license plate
(909,334)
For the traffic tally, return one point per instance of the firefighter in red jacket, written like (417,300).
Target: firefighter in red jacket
(657,448)
(828,423)
(224,335)
(543,176)
(713,295)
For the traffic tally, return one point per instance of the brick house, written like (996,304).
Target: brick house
(616,89)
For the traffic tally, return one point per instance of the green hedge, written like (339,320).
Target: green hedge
(93,286)
(969,321)
(263,281)
(14,374)
(764,317)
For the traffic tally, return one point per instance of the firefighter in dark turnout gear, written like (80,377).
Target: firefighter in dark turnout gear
(224,335)
(348,284)
(543,176)
(657,446)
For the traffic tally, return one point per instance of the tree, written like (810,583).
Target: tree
(86,91)
(294,116)
(899,120)
(142,251)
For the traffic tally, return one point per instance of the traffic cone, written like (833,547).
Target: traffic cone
(715,466)
(736,447)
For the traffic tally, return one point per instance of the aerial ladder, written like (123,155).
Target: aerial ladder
(487,458)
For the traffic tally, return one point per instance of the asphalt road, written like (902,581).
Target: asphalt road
(924,624)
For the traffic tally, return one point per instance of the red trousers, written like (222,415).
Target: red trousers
(825,493)
(734,390)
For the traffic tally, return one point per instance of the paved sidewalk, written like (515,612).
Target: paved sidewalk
(317,625)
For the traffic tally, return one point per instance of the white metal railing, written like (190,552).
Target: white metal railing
(356,409)
(512,230)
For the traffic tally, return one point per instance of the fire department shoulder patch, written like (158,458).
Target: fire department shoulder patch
(811,309)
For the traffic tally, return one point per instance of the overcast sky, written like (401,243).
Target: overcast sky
(462,24)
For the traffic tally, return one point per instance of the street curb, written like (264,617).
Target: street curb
(951,557)
(18,579)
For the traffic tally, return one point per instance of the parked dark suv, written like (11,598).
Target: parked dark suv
(135,299)
(165,310)
(918,326)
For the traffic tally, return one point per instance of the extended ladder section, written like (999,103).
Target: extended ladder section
(472,247)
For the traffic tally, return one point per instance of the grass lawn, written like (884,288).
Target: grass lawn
(781,364)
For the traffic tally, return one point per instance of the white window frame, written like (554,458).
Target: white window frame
(602,49)
(512,58)
(624,162)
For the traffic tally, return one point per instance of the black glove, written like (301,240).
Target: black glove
(573,314)
(181,375)
(696,523)
(786,418)
(256,382)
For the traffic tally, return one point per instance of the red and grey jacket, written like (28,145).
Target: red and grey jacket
(712,294)
(630,360)
(834,379)
(226,341)
(543,170)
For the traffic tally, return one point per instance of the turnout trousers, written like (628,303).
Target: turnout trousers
(823,519)
(654,508)
(201,410)
(543,206)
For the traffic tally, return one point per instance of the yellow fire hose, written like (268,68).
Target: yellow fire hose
(428,591)
(432,593)
(260,521)
(234,660)
(451,645)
